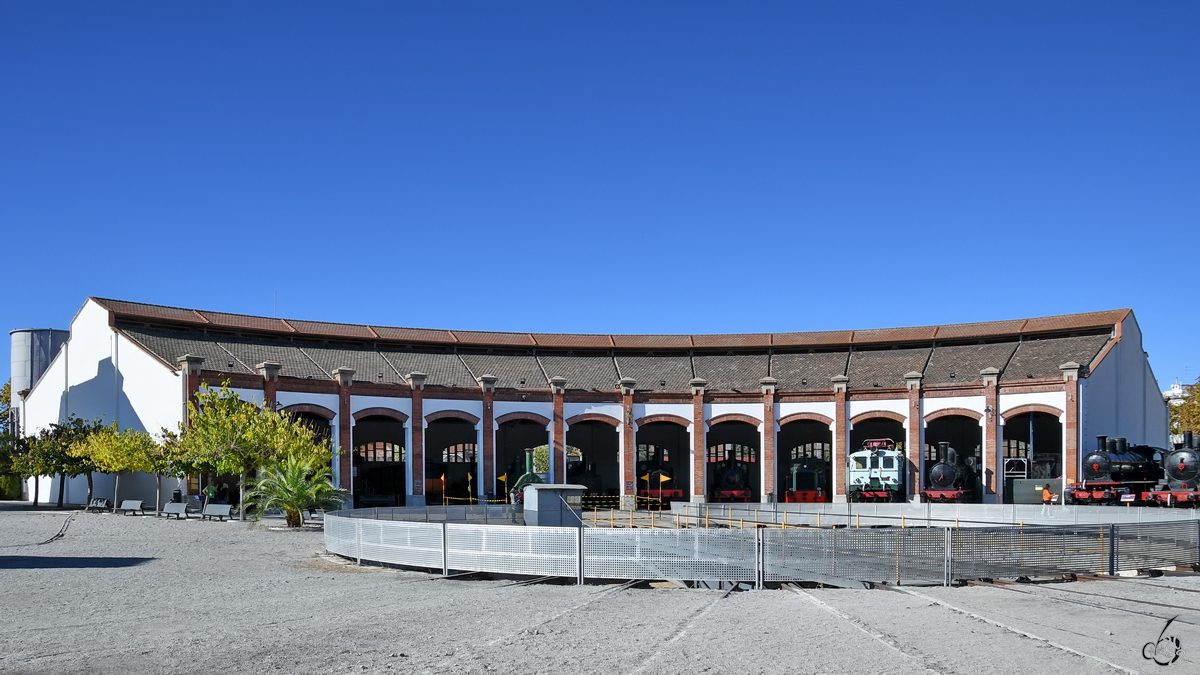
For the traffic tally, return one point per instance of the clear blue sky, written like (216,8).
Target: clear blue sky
(667,167)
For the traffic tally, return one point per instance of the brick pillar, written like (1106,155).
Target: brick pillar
(190,365)
(699,488)
(270,374)
(769,464)
(558,441)
(840,437)
(992,453)
(1070,371)
(915,444)
(345,378)
(628,446)
(487,429)
(416,454)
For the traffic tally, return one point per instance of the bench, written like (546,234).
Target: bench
(176,509)
(129,506)
(219,511)
(99,504)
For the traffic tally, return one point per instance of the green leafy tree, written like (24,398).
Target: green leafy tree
(226,434)
(1185,415)
(48,454)
(116,451)
(10,447)
(295,483)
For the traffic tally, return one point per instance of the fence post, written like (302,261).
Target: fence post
(760,556)
(445,552)
(579,554)
(949,570)
(1112,550)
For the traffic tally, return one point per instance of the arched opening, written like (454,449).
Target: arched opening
(732,464)
(662,463)
(965,439)
(1033,444)
(513,438)
(379,460)
(317,423)
(450,475)
(805,460)
(896,468)
(592,460)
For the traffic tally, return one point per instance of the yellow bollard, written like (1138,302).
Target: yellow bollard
(785,520)
(706,517)
(956,523)
(902,522)
(818,519)
(741,524)
(652,515)
(857,521)
(631,517)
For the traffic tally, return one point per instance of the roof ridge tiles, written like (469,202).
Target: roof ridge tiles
(668,341)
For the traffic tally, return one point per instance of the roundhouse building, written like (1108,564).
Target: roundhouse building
(421,415)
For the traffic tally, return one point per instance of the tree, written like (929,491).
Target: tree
(10,447)
(48,454)
(226,434)
(1185,415)
(116,451)
(295,483)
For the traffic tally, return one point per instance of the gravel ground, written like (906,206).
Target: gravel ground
(128,594)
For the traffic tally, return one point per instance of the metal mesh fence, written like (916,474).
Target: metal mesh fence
(670,554)
(891,555)
(539,551)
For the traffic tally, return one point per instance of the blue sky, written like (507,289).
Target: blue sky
(670,167)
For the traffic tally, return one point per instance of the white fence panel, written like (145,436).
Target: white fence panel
(509,549)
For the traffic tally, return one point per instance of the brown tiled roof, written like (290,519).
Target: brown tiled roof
(133,311)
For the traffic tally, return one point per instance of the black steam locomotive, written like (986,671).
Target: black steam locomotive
(1118,472)
(1181,467)
(953,478)
(807,481)
(729,480)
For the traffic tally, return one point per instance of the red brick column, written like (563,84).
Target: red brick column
(345,378)
(270,374)
(840,437)
(487,482)
(628,446)
(558,442)
(416,454)
(993,454)
(769,464)
(699,488)
(1070,371)
(190,365)
(915,445)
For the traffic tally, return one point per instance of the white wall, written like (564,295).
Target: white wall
(974,403)
(1121,396)
(890,405)
(100,374)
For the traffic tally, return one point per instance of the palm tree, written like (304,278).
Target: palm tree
(294,484)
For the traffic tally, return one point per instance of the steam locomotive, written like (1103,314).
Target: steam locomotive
(807,481)
(656,479)
(876,472)
(1182,469)
(952,479)
(1116,472)
(730,480)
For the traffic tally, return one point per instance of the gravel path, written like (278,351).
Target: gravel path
(128,594)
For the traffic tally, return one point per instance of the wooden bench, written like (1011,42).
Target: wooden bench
(99,504)
(219,511)
(129,506)
(176,509)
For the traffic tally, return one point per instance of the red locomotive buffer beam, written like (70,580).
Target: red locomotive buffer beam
(947,495)
(732,495)
(805,497)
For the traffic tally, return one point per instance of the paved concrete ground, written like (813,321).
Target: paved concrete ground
(129,594)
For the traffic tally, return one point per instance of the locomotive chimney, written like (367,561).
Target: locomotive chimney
(1122,445)
(943,447)
(1101,442)
(1187,440)
(1112,445)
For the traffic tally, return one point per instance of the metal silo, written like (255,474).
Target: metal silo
(32,351)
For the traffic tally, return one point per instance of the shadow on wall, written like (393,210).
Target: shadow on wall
(93,399)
